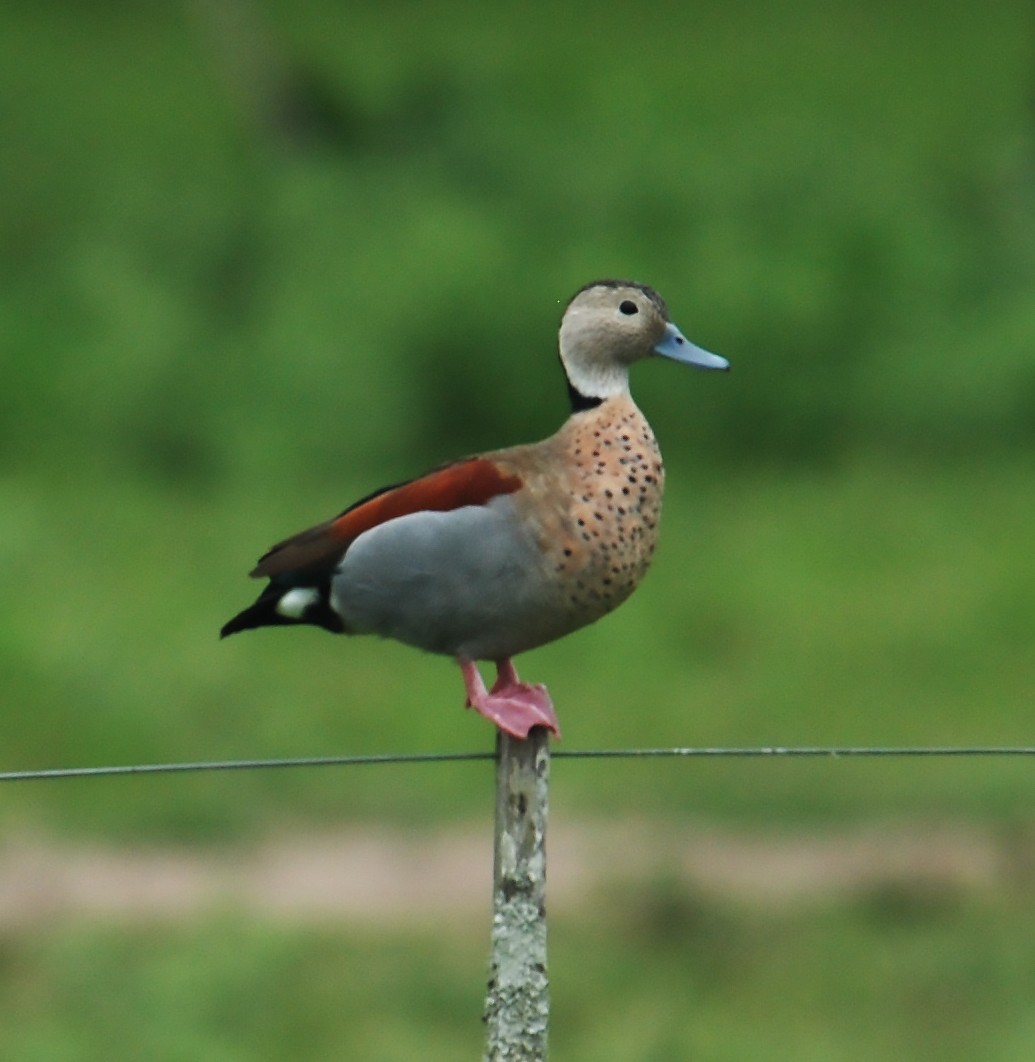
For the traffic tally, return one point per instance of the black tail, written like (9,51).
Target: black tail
(269,612)
(262,614)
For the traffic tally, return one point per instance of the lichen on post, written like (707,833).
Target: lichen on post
(517,1006)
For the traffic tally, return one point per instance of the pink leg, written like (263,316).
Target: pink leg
(514,706)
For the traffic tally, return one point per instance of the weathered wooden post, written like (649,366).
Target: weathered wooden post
(517,1006)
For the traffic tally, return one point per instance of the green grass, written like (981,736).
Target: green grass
(866,606)
(654,974)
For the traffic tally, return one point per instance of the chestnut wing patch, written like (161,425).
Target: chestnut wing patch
(475,481)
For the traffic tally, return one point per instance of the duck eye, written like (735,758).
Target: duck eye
(629,308)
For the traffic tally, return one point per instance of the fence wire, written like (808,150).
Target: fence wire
(688,752)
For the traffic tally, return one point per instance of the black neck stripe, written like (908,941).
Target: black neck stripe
(580,402)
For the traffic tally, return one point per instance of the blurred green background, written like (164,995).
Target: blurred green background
(257,258)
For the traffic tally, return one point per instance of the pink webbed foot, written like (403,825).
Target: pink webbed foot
(514,706)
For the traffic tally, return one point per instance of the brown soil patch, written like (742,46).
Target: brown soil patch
(387,875)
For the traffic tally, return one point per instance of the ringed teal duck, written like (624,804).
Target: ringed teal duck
(499,553)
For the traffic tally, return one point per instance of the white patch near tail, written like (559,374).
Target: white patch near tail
(295,602)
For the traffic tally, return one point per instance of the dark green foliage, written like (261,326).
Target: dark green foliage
(372,236)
